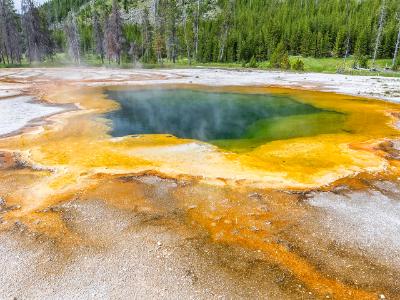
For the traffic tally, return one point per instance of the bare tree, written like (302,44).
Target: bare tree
(2,59)
(98,37)
(185,31)
(146,36)
(396,49)
(113,33)
(196,25)
(172,28)
(73,38)
(38,41)
(348,18)
(9,33)
(159,29)
(108,40)
(226,25)
(134,52)
(380,29)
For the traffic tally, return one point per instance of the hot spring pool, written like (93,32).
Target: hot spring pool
(229,120)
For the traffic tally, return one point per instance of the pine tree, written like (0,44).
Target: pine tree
(280,57)
(341,42)
(223,30)
(305,48)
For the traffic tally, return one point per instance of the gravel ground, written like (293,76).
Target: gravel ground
(135,257)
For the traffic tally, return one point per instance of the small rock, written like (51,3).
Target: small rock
(37,222)
(254,229)
(9,208)
(20,226)
(235,232)
(255,195)
(264,208)
(382,296)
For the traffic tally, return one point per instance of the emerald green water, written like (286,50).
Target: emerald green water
(232,121)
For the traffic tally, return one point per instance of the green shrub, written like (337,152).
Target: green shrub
(341,68)
(280,57)
(298,65)
(253,63)
(285,63)
(361,61)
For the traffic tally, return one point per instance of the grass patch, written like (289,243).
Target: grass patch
(318,65)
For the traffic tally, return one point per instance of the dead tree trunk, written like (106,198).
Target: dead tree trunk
(223,42)
(379,34)
(185,32)
(396,49)
(196,30)
(73,38)
(172,18)
(348,18)
(225,28)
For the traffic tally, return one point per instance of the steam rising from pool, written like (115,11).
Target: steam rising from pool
(223,119)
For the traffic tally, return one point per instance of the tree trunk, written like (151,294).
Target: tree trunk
(186,34)
(222,48)
(396,49)
(226,26)
(6,54)
(378,36)
(196,31)
(348,34)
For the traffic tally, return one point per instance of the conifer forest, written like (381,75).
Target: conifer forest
(200,30)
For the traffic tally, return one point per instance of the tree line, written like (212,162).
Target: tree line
(200,30)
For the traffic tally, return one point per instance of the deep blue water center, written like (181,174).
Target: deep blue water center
(210,116)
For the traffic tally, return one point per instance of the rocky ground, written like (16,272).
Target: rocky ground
(136,257)
(158,255)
